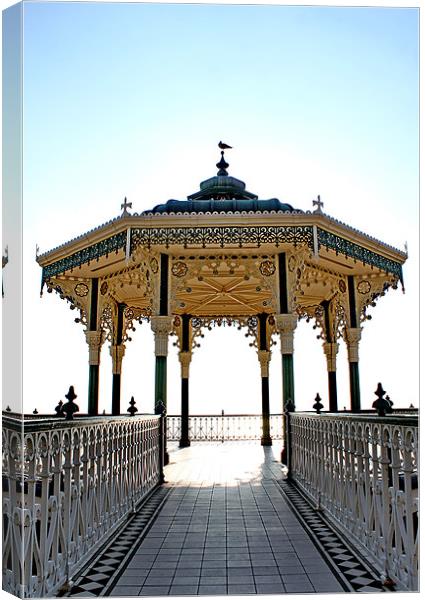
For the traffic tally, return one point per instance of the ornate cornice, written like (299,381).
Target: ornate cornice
(357,252)
(174,232)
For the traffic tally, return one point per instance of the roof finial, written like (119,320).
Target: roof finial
(319,205)
(124,206)
(222,166)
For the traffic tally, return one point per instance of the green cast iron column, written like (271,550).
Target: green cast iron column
(264,357)
(330,348)
(93,388)
(116,375)
(161,330)
(286,323)
(160,384)
(352,339)
(185,354)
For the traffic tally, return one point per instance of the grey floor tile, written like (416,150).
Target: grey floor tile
(236,579)
(241,589)
(239,563)
(291,569)
(183,590)
(218,572)
(267,579)
(156,580)
(265,570)
(160,590)
(299,588)
(179,580)
(213,580)
(131,580)
(187,572)
(270,588)
(212,590)
(126,590)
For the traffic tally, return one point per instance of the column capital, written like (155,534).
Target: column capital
(331,350)
(162,327)
(185,359)
(352,337)
(117,353)
(94,340)
(264,358)
(286,325)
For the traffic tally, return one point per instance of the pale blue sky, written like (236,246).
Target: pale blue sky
(131,99)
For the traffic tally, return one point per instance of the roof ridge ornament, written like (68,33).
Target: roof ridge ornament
(319,205)
(124,206)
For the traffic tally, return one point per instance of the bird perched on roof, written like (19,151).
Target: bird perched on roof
(223,146)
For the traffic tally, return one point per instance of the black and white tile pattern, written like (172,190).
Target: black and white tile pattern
(100,575)
(358,575)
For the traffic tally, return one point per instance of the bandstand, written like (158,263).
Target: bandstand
(222,256)
(88,507)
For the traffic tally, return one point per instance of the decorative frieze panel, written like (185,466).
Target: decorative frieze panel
(223,284)
(204,237)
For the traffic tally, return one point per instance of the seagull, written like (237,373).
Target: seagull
(223,146)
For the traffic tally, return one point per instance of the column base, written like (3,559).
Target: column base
(166,458)
(266,441)
(184,443)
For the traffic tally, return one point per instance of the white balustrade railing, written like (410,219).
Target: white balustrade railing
(66,487)
(222,428)
(362,472)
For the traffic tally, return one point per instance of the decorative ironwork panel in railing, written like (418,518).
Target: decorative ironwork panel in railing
(221,428)
(362,471)
(66,487)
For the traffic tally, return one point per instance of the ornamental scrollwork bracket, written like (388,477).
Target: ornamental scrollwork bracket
(368,290)
(75,293)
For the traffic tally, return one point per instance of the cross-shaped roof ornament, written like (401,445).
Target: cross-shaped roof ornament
(319,205)
(124,206)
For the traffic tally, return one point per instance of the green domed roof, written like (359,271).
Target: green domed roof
(221,193)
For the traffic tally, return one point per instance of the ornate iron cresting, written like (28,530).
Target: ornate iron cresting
(362,472)
(347,248)
(223,428)
(66,487)
(221,236)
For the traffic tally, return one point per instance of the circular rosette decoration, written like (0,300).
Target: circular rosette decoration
(363,287)
(179,269)
(81,289)
(267,268)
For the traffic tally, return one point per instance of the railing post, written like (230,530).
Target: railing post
(162,443)
(287,449)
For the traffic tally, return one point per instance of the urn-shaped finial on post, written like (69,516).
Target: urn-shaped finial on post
(317,406)
(69,408)
(59,409)
(132,409)
(381,405)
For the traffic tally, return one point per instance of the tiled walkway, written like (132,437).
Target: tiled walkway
(225,528)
